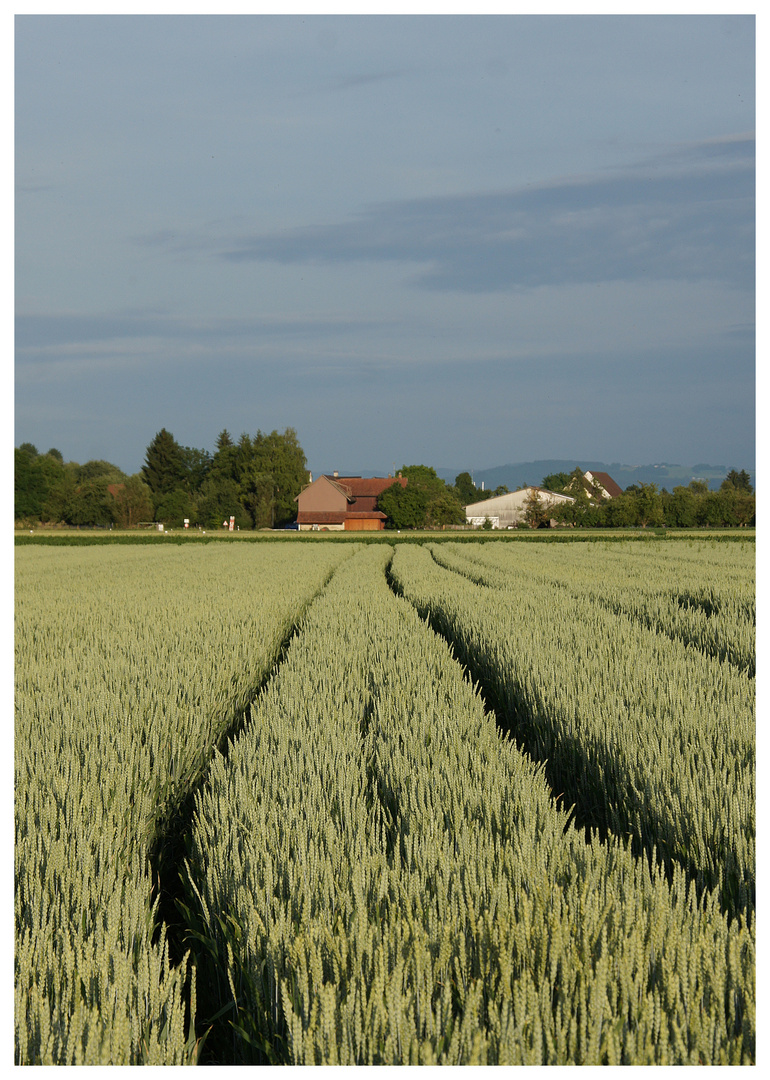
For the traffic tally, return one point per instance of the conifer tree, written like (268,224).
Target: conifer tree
(164,468)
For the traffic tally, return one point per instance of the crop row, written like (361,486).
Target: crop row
(699,593)
(647,737)
(130,666)
(377,876)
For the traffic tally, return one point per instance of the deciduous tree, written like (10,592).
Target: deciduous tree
(90,503)
(536,511)
(404,507)
(444,509)
(558,481)
(648,505)
(132,502)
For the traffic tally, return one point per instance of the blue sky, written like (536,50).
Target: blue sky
(452,240)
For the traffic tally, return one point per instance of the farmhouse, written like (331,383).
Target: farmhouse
(506,511)
(343,502)
(607,486)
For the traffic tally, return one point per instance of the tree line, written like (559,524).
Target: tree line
(691,506)
(255,480)
(427,501)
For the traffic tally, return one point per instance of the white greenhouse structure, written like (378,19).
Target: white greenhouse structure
(507,511)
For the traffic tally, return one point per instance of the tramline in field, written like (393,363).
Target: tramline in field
(701,593)
(410,894)
(646,735)
(130,666)
(375,873)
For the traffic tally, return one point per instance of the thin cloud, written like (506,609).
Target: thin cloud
(37,333)
(352,82)
(31,188)
(688,216)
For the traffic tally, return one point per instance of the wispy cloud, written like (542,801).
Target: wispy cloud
(352,82)
(37,334)
(29,187)
(688,215)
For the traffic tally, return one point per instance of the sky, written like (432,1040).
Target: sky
(451,240)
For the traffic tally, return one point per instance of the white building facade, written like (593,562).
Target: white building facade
(508,511)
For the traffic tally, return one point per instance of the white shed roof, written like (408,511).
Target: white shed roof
(513,500)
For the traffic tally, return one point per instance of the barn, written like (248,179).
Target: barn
(507,511)
(343,502)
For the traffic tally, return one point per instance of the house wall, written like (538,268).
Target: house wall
(321,496)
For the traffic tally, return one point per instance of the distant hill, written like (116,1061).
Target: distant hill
(664,474)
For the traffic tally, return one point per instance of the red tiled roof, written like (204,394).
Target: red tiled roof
(321,517)
(358,487)
(366,514)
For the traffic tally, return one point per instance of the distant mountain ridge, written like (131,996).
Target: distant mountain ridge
(664,474)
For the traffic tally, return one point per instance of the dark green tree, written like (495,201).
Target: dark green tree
(404,507)
(90,503)
(710,510)
(558,481)
(30,488)
(648,505)
(37,477)
(243,458)
(744,508)
(218,500)
(172,507)
(280,461)
(444,509)
(423,478)
(679,508)
(164,468)
(407,507)
(93,470)
(465,489)
(619,512)
(197,464)
(425,502)
(224,464)
(61,493)
(737,481)
(257,496)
